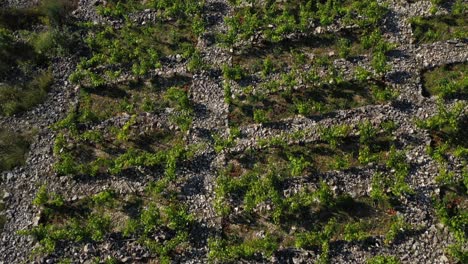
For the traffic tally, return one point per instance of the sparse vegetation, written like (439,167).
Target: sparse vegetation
(448,133)
(252,189)
(27,54)
(238,131)
(13,148)
(448,81)
(440,28)
(282,101)
(15,99)
(383,260)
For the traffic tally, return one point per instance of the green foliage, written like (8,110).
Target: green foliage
(319,238)
(263,188)
(316,95)
(104,198)
(223,143)
(303,108)
(264,185)
(397,161)
(198,25)
(298,165)
(223,251)
(383,260)
(67,165)
(355,232)
(325,195)
(134,48)
(394,182)
(344,47)
(54,42)
(49,235)
(446,120)
(196,62)
(379,47)
(379,62)
(260,116)
(178,98)
(397,226)
(94,227)
(183,119)
(341,162)
(273,21)
(459,7)
(267,67)
(235,73)
(367,132)
(27,54)
(458,252)
(150,219)
(7,50)
(98,226)
(362,74)
(389,126)
(440,28)
(65,261)
(451,214)
(227,93)
(42,196)
(125,132)
(183,11)
(47,201)
(334,135)
(157,218)
(378,187)
(445,177)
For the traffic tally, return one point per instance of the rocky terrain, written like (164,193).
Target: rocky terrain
(222,143)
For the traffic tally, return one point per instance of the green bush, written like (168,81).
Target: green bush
(447,122)
(344,47)
(196,62)
(98,226)
(104,198)
(54,42)
(223,251)
(319,238)
(47,201)
(355,232)
(260,116)
(235,73)
(397,161)
(383,260)
(397,226)
(334,135)
(267,67)
(177,98)
(297,165)
(367,132)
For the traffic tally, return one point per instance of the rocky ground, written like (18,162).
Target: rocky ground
(409,59)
